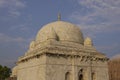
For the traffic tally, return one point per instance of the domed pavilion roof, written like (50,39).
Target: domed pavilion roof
(61,38)
(61,31)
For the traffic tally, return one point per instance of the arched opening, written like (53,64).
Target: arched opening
(68,76)
(93,76)
(80,74)
(80,77)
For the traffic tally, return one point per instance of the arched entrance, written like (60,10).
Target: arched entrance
(68,76)
(80,77)
(93,76)
(80,74)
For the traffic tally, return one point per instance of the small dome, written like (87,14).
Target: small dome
(61,30)
(88,42)
(32,45)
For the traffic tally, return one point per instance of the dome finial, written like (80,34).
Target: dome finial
(59,16)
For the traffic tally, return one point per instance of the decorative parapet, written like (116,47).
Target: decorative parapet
(62,48)
(63,52)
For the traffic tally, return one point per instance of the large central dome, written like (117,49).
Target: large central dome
(61,31)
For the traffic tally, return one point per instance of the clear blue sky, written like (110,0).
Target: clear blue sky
(20,20)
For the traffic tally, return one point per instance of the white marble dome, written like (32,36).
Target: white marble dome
(61,31)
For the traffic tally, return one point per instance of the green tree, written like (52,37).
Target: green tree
(4,72)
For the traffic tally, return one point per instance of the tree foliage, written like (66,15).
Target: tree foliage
(4,72)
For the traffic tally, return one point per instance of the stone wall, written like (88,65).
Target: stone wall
(33,69)
(53,66)
(57,66)
(114,69)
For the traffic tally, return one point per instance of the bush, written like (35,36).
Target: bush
(4,72)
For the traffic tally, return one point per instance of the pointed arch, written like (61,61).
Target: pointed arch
(68,76)
(93,76)
(80,74)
